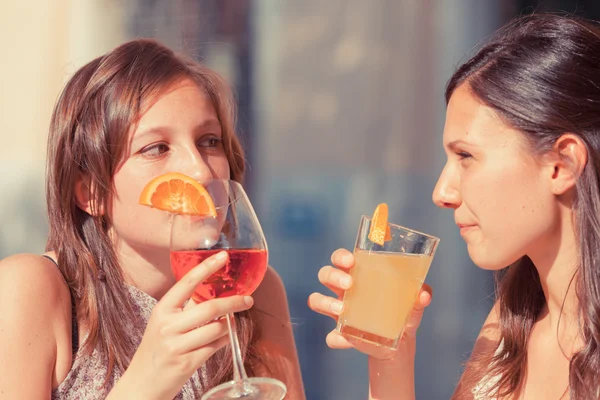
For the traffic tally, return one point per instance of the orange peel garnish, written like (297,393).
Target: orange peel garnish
(179,194)
(380,230)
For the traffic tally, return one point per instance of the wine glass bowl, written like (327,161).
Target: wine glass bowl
(236,230)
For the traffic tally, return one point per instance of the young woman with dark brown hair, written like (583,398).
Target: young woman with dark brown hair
(522,137)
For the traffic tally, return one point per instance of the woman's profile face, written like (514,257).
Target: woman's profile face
(499,191)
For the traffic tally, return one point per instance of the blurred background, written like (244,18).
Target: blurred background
(341,108)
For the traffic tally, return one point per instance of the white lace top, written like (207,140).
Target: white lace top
(480,390)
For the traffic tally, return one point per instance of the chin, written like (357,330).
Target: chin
(484,260)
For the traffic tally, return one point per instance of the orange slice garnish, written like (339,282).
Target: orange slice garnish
(380,230)
(179,194)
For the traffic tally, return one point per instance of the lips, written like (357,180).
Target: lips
(464,228)
(465,225)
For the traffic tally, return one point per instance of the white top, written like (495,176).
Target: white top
(480,390)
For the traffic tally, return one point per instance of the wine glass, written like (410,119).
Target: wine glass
(237,231)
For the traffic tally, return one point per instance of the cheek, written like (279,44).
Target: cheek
(514,212)
(504,195)
(220,166)
(141,226)
(134,223)
(522,203)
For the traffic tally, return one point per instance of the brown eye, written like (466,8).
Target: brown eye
(155,150)
(463,155)
(210,142)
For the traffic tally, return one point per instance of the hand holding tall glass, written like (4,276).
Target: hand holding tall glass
(236,230)
(386,282)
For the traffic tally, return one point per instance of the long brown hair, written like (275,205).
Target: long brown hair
(541,74)
(88,140)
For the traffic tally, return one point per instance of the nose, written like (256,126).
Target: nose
(446,193)
(194,164)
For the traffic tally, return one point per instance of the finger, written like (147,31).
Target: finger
(325,305)
(202,336)
(205,352)
(335,279)
(342,258)
(207,311)
(337,341)
(182,290)
(189,304)
(427,289)
(372,349)
(414,320)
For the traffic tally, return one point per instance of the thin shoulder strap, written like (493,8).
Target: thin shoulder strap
(75,326)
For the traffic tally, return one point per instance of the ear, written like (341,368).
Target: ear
(570,159)
(84,197)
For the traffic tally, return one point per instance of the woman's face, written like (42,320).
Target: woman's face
(180,132)
(499,190)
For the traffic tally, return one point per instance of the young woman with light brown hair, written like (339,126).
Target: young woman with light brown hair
(100,314)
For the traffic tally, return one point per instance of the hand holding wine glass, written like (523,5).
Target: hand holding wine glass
(229,224)
(178,339)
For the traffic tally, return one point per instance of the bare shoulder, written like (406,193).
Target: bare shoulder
(32,290)
(276,339)
(487,343)
(271,297)
(34,322)
(490,330)
(272,280)
(489,335)
(32,278)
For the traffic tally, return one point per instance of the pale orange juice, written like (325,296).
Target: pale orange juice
(385,287)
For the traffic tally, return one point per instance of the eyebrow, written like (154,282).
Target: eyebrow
(456,143)
(163,130)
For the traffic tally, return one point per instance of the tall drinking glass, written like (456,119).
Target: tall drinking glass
(386,282)
(237,231)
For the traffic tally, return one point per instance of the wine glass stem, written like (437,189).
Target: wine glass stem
(239,373)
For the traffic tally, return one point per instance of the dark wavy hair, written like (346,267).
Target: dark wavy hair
(541,74)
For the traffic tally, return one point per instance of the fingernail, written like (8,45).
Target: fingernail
(248,300)
(221,256)
(347,259)
(345,281)
(337,307)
